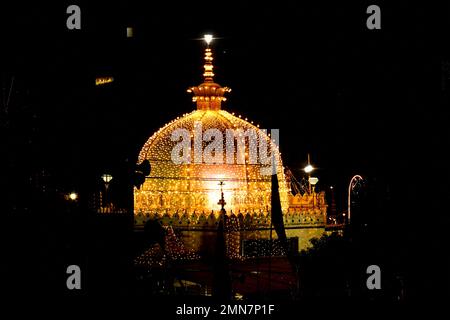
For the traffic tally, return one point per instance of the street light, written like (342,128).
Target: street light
(308,169)
(355,179)
(73,196)
(312,182)
(106,179)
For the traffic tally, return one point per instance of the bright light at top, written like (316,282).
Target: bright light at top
(106,178)
(309,168)
(73,196)
(208,38)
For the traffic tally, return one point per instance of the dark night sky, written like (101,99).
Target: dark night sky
(347,95)
(359,101)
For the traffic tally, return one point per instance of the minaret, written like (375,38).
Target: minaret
(209,94)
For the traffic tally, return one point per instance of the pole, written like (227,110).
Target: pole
(350,187)
(309,176)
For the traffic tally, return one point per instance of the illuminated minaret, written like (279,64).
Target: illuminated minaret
(209,94)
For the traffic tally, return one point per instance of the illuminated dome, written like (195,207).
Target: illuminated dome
(219,149)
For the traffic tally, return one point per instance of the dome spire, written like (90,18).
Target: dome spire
(208,74)
(209,94)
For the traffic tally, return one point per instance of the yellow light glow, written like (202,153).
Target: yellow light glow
(103,80)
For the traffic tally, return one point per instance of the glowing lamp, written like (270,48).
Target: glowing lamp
(208,38)
(106,178)
(73,196)
(313,181)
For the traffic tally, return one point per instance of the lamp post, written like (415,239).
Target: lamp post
(308,169)
(355,179)
(333,205)
(312,182)
(106,179)
(72,202)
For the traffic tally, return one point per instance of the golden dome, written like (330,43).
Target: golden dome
(219,147)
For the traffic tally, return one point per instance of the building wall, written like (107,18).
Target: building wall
(305,219)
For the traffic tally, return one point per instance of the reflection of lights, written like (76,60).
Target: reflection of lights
(73,196)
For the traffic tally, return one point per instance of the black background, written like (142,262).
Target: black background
(369,102)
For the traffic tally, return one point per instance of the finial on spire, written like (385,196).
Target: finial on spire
(222,202)
(208,74)
(209,94)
